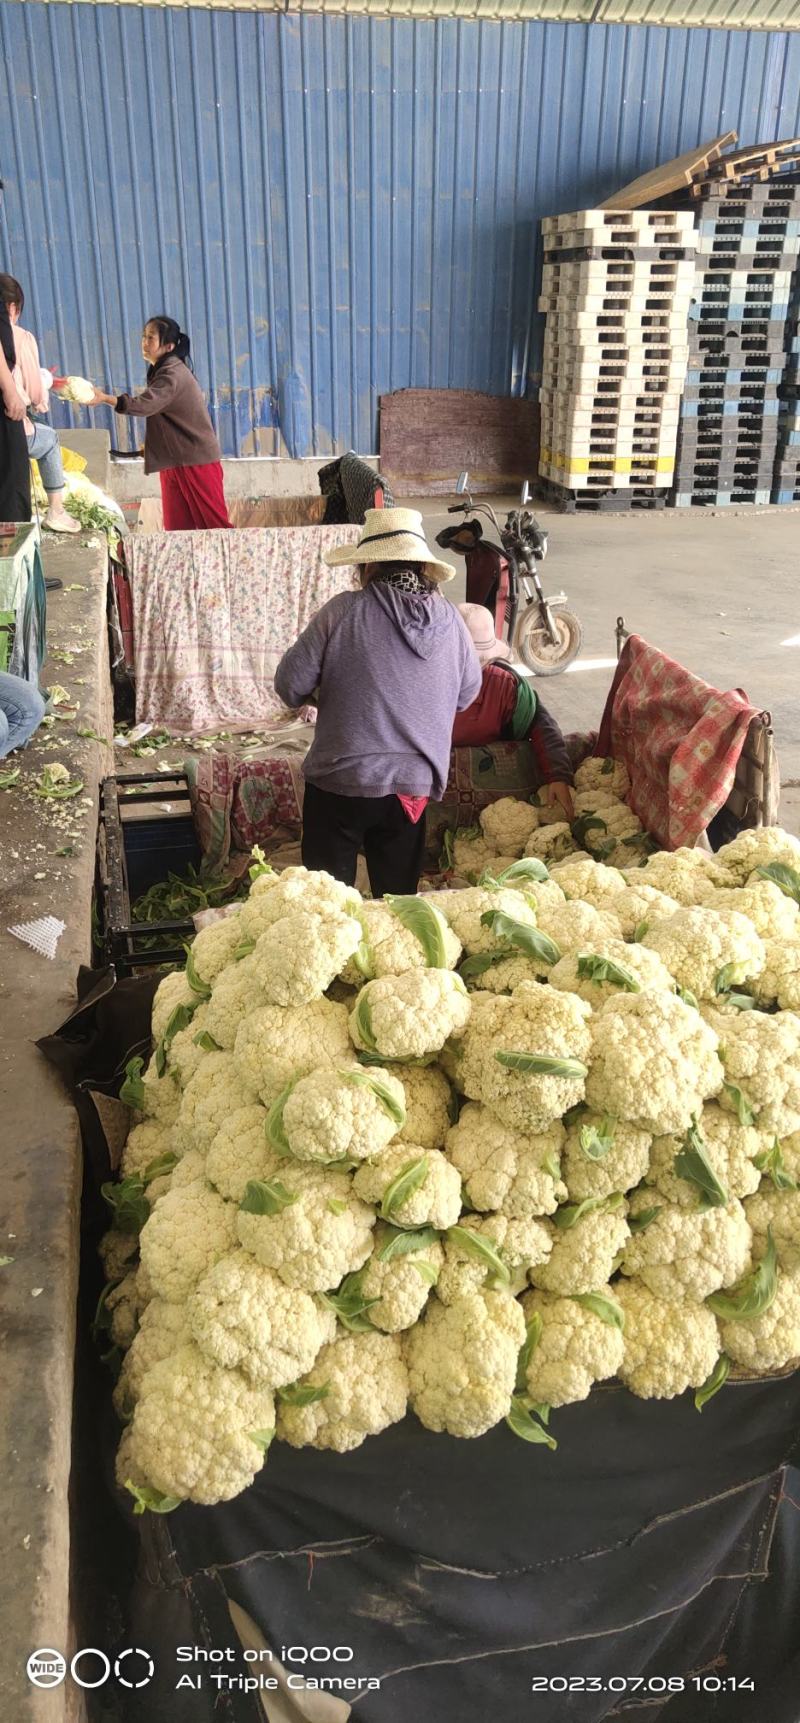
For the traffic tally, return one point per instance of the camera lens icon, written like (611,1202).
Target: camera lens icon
(134,1667)
(46,1668)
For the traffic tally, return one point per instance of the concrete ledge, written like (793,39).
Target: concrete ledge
(254,476)
(40,1158)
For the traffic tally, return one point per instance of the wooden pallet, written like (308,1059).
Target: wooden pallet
(671,175)
(758,161)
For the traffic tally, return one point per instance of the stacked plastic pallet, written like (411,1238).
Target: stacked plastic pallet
(747,245)
(786,486)
(616,288)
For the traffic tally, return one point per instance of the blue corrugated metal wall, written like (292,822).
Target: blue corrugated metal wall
(335,207)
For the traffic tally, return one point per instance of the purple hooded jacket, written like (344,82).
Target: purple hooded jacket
(391,669)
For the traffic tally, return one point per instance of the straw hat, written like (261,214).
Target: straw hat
(391,535)
(481,627)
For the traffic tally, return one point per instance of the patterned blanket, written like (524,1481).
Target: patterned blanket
(213,613)
(680,739)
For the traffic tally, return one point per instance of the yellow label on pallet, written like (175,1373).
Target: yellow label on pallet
(622,464)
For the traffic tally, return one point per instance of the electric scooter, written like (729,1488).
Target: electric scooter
(545,635)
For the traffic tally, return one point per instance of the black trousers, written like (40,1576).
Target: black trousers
(337,828)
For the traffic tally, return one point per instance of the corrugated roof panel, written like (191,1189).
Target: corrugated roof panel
(334,206)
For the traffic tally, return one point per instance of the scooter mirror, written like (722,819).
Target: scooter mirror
(525,494)
(461,487)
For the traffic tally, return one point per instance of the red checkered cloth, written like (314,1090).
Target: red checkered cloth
(679,738)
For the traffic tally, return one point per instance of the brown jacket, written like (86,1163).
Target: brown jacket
(179,432)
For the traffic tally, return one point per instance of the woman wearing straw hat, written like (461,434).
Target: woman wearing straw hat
(389,667)
(508,709)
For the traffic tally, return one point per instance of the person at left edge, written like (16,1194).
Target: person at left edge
(15,466)
(180,443)
(389,666)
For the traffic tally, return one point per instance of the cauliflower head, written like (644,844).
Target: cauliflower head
(235,993)
(602,971)
(276,1043)
(761,1056)
(390,946)
(577,926)
(683,874)
(163,1329)
(779,1210)
(145,1143)
(198,1431)
(758,847)
(297,958)
(585,1247)
(217,1089)
(653,1062)
(641,907)
(728,1147)
(243,1317)
(186,1052)
(590,881)
(462,1362)
(414,1187)
(596,773)
(503,1169)
(779,981)
(240,1152)
(429,1103)
(772,1340)
(363,1388)
(526,1056)
(551,842)
(173,991)
(507,825)
(309,1226)
(409,1016)
(340,1114)
(670,1344)
(397,1280)
(471,853)
(575,1348)
(603,1155)
(214,947)
(463,911)
(482,1245)
(296,888)
(688,1253)
(162,1096)
(708,951)
(188,1231)
(772,913)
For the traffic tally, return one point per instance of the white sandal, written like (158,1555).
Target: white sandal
(62,523)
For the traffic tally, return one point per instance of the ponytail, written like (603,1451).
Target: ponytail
(172,335)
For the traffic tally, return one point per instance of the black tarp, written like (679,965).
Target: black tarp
(656,1544)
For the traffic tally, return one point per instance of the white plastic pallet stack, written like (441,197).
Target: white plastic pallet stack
(616,288)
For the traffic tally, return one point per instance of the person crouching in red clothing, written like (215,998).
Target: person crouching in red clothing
(508,709)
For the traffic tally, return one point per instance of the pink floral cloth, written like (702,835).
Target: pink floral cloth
(213,613)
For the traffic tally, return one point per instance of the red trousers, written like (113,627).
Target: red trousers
(193,498)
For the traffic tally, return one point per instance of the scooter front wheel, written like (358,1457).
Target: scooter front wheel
(534,646)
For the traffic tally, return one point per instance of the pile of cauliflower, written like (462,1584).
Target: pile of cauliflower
(462,1155)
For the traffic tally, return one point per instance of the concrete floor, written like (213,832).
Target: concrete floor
(717,591)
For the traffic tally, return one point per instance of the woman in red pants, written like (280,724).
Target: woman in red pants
(179,440)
